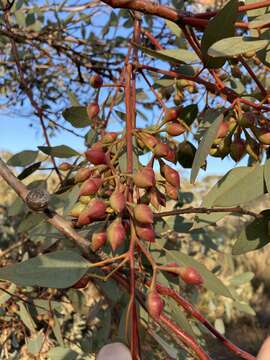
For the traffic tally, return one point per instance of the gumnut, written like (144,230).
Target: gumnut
(96,81)
(263,135)
(77,209)
(185,154)
(149,140)
(109,137)
(170,175)
(171,191)
(82,174)
(96,210)
(175,129)
(161,150)
(145,232)
(98,240)
(116,234)
(143,214)
(154,304)
(223,129)
(145,178)
(190,275)
(157,199)
(172,114)
(96,156)
(114,351)
(90,186)
(92,110)
(97,146)
(85,199)
(171,156)
(118,201)
(82,283)
(65,166)
(237,149)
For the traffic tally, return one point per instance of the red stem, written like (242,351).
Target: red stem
(195,313)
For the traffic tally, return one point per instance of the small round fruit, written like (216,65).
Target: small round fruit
(98,240)
(96,157)
(190,275)
(143,214)
(154,304)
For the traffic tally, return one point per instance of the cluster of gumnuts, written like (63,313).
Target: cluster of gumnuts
(104,189)
(243,134)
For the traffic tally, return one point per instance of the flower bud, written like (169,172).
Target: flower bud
(96,81)
(116,234)
(98,240)
(171,156)
(170,175)
(92,110)
(77,210)
(172,114)
(223,129)
(143,214)
(154,304)
(96,157)
(96,210)
(90,186)
(109,137)
(171,191)
(65,166)
(82,174)
(85,199)
(157,199)
(149,140)
(237,149)
(145,178)
(161,150)
(145,232)
(118,201)
(175,129)
(190,275)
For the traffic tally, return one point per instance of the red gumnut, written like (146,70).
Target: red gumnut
(171,156)
(223,129)
(116,234)
(96,156)
(170,175)
(149,140)
(157,199)
(175,129)
(90,187)
(161,150)
(82,283)
(172,114)
(96,210)
(92,110)
(65,166)
(109,137)
(143,214)
(237,149)
(96,81)
(155,304)
(145,178)
(98,240)
(190,275)
(145,232)
(171,191)
(82,174)
(118,201)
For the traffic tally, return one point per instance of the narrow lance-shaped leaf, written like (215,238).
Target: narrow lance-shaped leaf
(61,151)
(205,145)
(60,269)
(23,158)
(235,46)
(220,27)
(172,55)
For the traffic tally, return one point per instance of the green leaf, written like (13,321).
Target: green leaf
(180,317)
(235,46)
(175,29)
(240,187)
(242,278)
(189,114)
(26,318)
(34,343)
(73,99)
(266,174)
(59,269)
(77,116)
(244,308)
(61,353)
(254,236)
(205,144)
(4,297)
(172,55)
(30,221)
(210,281)
(29,170)
(23,158)
(259,21)
(61,151)
(220,27)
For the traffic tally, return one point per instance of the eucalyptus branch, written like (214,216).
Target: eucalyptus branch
(203,210)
